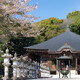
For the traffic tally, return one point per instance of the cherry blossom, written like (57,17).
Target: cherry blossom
(18,7)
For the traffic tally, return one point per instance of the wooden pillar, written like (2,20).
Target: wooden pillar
(76,63)
(56,64)
(50,64)
(69,69)
(59,68)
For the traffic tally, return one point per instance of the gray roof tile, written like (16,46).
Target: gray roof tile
(57,42)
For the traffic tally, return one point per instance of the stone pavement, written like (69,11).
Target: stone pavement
(46,79)
(53,79)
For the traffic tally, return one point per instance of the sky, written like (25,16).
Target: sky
(55,8)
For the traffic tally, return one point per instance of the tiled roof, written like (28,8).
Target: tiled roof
(57,42)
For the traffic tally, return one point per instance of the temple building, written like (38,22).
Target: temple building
(65,46)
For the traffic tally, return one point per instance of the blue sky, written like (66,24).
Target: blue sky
(55,8)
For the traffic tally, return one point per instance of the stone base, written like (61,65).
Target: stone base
(14,78)
(21,78)
(5,78)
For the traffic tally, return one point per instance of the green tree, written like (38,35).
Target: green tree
(75,26)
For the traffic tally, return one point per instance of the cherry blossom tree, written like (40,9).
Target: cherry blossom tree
(12,26)
(18,7)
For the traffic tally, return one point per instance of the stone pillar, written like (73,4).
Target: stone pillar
(32,69)
(26,65)
(29,68)
(18,68)
(6,64)
(33,74)
(38,72)
(15,62)
(36,69)
(21,66)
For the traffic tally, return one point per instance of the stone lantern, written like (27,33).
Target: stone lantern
(15,65)
(6,63)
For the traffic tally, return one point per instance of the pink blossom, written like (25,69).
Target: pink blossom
(18,7)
